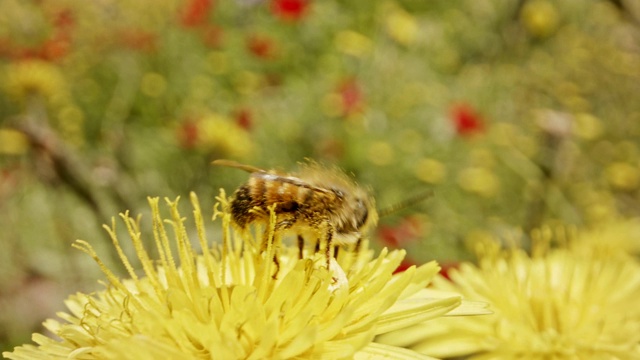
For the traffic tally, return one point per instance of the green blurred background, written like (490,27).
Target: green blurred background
(515,113)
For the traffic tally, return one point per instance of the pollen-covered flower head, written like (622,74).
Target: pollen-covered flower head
(554,304)
(236,302)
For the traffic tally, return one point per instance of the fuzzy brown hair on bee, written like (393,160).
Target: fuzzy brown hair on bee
(314,201)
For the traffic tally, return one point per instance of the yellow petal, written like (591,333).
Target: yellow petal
(412,311)
(375,351)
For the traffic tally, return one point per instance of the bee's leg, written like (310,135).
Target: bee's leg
(277,240)
(329,244)
(335,253)
(280,226)
(276,261)
(300,246)
(285,224)
(317,247)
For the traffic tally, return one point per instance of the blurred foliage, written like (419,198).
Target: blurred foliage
(515,113)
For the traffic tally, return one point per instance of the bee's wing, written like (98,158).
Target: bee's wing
(237,165)
(298,182)
(269,176)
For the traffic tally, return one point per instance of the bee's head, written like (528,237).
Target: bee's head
(364,213)
(360,215)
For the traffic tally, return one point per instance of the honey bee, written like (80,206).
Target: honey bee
(315,201)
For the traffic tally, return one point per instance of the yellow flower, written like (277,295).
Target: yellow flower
(224,137)
(618,237)
(401,26)
(430,170)
(479,180)
(248,82)
(153,85)
(233,303)
(558,304)
(353,43)
(622,176)
(588,127)
(380,153)
(540,18)
(35,78)
(13,142)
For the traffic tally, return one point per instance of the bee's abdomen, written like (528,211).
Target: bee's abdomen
(241,204)
(252,201)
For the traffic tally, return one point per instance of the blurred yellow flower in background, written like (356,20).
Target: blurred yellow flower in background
(479,181)
(28,78)
(401,25)
(616,237)
(556,304)
(430,171)
(232,302)
(222,136)
(13,142)
(622,176)
(353,43)
(380,153)
(540,18)
(153,84)
(588,126)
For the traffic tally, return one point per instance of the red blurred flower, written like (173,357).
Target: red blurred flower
(195,12)
(244,119)
(6,47)
(466,120)
(404,265)
(55,48)
(261,46)
(330,148)
(51,49)
(351,96)
(211,35)
(188,134)
(138,39)
(9,180)
(388,235)
(273,79)
(26,53)
(64,19)
(445,268)
(408,230)
(290,10)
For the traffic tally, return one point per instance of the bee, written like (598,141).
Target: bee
(315,201)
